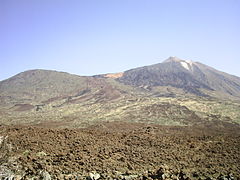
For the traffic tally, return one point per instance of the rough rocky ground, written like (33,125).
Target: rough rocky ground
(121,151)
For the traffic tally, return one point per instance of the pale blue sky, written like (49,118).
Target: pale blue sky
(88,37)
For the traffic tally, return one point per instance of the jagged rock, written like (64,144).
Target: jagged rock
(128,177)
(94,176)
(5,173)
(7,177)
(17,177)
(45,175)
(2,138)
(41,154)
(72,154)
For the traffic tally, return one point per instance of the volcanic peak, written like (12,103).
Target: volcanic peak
(184,63)
(173,59)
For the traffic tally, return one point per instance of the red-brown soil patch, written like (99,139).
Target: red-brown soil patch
(114,75)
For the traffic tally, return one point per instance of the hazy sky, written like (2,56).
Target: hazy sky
(88,37)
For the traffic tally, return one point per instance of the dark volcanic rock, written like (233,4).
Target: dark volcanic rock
(123,151)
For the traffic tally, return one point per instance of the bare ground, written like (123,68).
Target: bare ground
(121,151)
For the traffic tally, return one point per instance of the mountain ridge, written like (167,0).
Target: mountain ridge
(192,77)
(167,93)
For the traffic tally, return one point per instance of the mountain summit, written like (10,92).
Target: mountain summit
(185,63)
(173,59)
(192,77)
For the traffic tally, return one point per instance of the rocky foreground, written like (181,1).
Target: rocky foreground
(120,151)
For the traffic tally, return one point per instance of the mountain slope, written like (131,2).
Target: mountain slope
(37,85)
(44,87)
(58,99)
(187,75)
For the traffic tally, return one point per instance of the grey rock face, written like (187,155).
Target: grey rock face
(45,175)
(94,176)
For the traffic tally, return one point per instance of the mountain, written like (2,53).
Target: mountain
(39,87)
(174,92)
(192,77)
(36,85)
